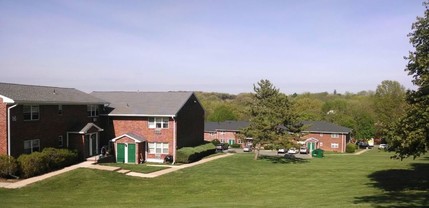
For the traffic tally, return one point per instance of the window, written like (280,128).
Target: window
(335,135)
(321,144)
(60,141)
(334,145)
(31,112)
(60,110)
(92,110)
(158,148)
(158,122)
(31,146)
(321,135)
(239,141)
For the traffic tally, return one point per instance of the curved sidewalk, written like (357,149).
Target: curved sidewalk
(90,164)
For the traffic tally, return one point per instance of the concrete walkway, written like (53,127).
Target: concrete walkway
(92,165)
(356,153)
(28,181)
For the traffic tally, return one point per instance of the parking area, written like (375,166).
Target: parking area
(268,153)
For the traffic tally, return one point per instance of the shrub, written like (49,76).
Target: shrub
(59,158)
(192,154)
(8,166)
(350,148)
(48,160)
(235,145)
(32,164)
(215,141)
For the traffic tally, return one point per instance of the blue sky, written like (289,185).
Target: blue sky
(213,46)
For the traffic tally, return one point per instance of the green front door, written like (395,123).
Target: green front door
(120,153)
(311,146)
(131,153)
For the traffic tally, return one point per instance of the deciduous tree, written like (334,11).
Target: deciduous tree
(410,136)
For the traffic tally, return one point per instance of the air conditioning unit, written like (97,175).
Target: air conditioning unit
(158,156)
(94,119)
(157,131)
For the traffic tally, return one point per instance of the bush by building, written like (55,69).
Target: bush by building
(350,148)
(192,154)
(8,166)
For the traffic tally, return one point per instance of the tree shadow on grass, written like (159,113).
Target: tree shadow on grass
(283,160)
(402,187)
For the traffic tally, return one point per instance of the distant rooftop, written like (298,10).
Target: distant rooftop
(28,94)
(324,127)
(225,126)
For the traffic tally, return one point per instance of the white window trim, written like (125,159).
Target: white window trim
(158,145)
(32,141)
(93,110)
(32,111)
(335,136)
(60,110)
(335,145)
(60,141)
(153,121)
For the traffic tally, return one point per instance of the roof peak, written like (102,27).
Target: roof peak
(31,85)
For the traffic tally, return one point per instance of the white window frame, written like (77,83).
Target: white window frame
(32,145)
(93,110)
(335,145)
(34,110)
(60,141)
(335,136)
(158,122)
(60,110)
(158,148)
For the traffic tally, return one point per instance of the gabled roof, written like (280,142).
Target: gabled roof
(34,94)
(85,129)
(144,103)
(324,127)
(225,126)
(137,138)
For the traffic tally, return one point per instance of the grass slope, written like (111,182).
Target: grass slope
(367,180)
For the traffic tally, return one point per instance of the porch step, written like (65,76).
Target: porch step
(93,158)
(123,171)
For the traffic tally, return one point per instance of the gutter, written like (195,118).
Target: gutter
(8,128)
(174,140)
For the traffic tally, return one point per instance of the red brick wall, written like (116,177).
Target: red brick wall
(224,137)
(325,141)
(3,128)
(139,125)
(49,126)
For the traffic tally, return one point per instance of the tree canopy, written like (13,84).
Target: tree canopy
(410,136)
(269,110)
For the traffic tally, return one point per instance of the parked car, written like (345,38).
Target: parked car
(382,146)
(292,150)
(281,151)
(247,149)
(303,150)
(222,146)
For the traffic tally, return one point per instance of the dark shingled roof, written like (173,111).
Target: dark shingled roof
(324,127)
(28,94)
(144,103)
(225,126)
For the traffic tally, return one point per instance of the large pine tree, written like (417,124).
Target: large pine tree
(269,111)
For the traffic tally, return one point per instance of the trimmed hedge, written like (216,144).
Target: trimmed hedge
(235,145)
(350,148)
(48,160)
(8,166)
(192,154)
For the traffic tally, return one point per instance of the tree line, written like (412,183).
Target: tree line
(369,113)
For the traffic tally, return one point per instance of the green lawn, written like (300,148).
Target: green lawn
(139,168)
(367,180)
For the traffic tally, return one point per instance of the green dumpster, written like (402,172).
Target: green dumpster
(317,153)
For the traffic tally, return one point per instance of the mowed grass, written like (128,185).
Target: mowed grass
(139,168)
(368,180)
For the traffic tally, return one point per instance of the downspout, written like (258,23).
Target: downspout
(174,140)
(8,128)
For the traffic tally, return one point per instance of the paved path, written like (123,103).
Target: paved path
(91,165)
(28,181)
(356,153)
